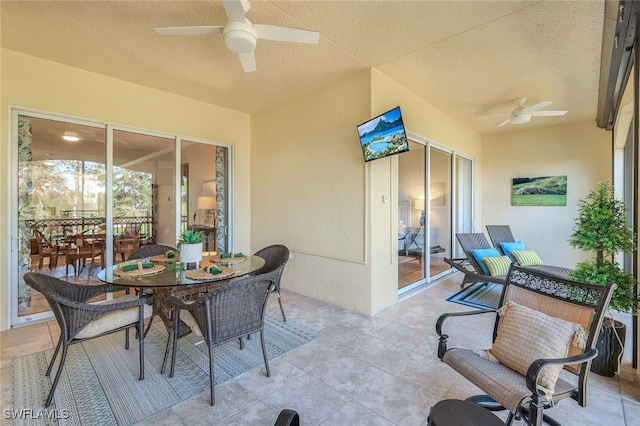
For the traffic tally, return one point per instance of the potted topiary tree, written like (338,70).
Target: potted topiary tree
(601,227)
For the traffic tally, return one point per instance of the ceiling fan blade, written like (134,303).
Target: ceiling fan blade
(248,61)
(537,106)
(547,113)
(234,10)
(504,123)
(494,115)
(296,35)
(202,30)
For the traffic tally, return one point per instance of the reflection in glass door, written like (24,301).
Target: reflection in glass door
(61,206)
(411,216)
(85,186)
(143,191)
(439,219)
(463,201)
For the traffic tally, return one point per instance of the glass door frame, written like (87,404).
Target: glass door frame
(14,319)
(428,144)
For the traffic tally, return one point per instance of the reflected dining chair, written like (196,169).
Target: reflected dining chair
(80,321)
(79,248)
(226,313)
(124,246)
(275,259)
(45,249)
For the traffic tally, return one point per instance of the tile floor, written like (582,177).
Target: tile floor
(380,370)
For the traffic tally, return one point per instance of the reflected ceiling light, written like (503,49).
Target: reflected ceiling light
(70,136)
(49,160)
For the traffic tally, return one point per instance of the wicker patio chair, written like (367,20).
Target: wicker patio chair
(500,234)
(538,328)
(276,258)
(224,314)
(144,252)
(468,265)
(288,417)
(149,250)
(79,320)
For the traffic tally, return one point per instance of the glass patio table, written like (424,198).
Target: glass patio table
(176,277)
(174,281)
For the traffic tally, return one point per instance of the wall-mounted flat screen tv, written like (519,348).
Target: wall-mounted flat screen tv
(383,135)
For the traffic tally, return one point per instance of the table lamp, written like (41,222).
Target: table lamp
(207,204)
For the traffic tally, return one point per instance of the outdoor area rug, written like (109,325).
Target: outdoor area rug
(479,295)
(99,383)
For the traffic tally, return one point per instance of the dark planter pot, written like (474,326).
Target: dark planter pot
(610,345)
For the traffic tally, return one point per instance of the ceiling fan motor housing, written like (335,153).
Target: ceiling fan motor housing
(240,37)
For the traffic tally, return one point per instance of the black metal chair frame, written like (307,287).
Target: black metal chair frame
(68,302)
(544,287)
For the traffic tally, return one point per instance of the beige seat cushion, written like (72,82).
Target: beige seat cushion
(114,319)
(525,335)
(188,319)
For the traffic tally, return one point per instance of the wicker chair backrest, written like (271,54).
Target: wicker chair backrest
(500,234)
(472,241)
(236,309)
(149,250)
(275,257)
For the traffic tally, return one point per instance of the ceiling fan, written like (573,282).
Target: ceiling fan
(522,114)
(241,35)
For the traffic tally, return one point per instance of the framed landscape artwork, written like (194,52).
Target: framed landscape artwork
(539,191)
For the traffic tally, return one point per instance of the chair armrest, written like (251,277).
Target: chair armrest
(103,307)
(442,344)
(78,295)
(444,317)
(180,304)
(536,366)
(459,263)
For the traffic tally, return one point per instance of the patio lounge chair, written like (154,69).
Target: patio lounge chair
(545,324)
(469,265)
(474,272)
(500,234)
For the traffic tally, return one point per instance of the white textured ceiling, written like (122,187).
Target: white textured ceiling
(468,58)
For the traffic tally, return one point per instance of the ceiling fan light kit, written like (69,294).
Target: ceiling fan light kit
(241,36)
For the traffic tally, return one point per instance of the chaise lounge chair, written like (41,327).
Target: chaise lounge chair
(475,272)
(500,234)
(469,265)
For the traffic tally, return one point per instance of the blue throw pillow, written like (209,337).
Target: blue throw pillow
(480,254)
(507,247)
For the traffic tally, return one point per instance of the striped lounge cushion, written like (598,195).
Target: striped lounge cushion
(526,257)
(497,265)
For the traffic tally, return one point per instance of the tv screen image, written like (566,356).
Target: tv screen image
(383,135)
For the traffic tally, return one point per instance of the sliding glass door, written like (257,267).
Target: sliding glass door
(440,208)
(82,187)
(434,202)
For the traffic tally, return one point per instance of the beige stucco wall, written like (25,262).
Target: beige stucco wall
(312,191)
(579,150)
(308,191)
(426,121)
(48,86)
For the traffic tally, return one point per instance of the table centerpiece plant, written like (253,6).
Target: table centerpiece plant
(601,227)
(190,247)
